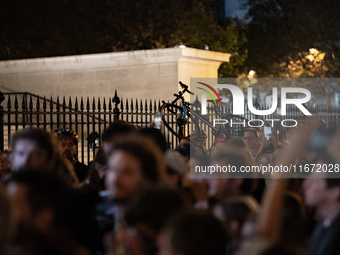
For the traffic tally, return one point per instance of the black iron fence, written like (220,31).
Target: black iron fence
(89,118)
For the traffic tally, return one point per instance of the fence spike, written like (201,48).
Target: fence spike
(110,104)
(93,105)
(131,107)
(104,105)
(127,105)
(88,104)
(44,104)
(70,103)
(9,105)
(141,105)
(76,104)
(81,104)
(155,106)
(146,106)
(64,103)
(58,104)
(121,105)
(30,104)
(16,104)
(159,105)
(38,104)
(136,107)
(99,106)
(24,102)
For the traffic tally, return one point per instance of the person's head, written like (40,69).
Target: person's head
(175,168)
(237,143)
(233,214)
(186,151)
(40,199)
(193,234)
(251,137)
(155,135)
(32,147)
(237,185)
(134,164)
(116,129)
(149,213)
(320,190)
(220,143)
(67,143)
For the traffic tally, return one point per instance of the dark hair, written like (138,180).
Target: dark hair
(156,136)
(236,211)
(238,159)
(197,234)
(44,190)
(66,132)
(237,142)
(256,132)
(43,139)
(147,153)
(154,208)
(119,127)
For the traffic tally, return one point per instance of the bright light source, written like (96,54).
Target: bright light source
(251,72)
(313,51)
(310,57)
(181,46)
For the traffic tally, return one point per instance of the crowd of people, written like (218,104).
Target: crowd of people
(137,197)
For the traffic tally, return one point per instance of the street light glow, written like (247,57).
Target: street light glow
(312,51)
(251,72)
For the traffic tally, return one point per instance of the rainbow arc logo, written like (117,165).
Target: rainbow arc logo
(204,98)
(209,93)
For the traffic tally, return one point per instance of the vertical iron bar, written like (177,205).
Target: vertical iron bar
(2,98)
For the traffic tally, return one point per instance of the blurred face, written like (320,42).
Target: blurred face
(39,221)
(315,190)
(226,187)
(251,139)
(27,153)
(66,147)
(124,176)
(217,148)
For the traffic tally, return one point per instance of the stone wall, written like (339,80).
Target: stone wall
(149,74)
